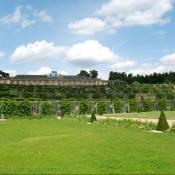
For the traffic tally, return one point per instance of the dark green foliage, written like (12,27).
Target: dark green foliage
(147,105)
(133,106)
(19,109)
(154,78)
(162,123)
(117,106)
(93,117)
(101,108)
(162,104)
(65,107)
(46,109)
(84,73)
(84,107)
(93,74)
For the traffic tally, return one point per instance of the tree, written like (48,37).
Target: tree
(4,74)
(93,117)
(162,123)
(93,74)
(83,73)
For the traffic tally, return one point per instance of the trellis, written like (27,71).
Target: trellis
(74,106)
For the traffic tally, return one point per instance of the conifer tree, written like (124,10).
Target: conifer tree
(162,123)
(93,117)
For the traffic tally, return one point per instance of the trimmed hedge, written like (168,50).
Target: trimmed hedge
(47,109)
(101,108)
(20,109)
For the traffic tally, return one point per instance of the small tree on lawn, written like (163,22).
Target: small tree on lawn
(162,123)
(93,117)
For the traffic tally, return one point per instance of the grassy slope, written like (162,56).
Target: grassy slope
(58,147)
(169,115)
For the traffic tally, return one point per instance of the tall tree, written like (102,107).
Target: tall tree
(93,74)
(84,73)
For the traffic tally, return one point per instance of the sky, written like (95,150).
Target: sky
(133,36)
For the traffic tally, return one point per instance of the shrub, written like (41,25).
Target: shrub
(46,109)
(101,108)
(19,109)
(147,105)
(133,106)
(162,123)
(162,105)
(93,117)
(84,107)
(65,108)
(117,106)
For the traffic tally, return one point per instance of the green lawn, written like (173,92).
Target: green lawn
(73,147)
(153,115)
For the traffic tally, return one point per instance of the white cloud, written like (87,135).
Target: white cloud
(11,72)
(45,71)
(119,13)
(123,64)
(87,26)
(2,54)
(166,64)
(168,59)
(147,68)
(25,16)
(36,52)
(43,16)
(90,53)
(41,71)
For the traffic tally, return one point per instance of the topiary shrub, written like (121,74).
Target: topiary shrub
(46,109)
(93,117)
(84,107)
(162,123)
(101,108)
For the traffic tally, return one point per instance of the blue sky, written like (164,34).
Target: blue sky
(136,36)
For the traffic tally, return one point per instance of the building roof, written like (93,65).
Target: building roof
(46,77)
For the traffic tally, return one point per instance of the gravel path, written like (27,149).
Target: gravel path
(170,122)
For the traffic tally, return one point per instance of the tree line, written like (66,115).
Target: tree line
(155,78)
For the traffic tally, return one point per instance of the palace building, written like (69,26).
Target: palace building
(53,79)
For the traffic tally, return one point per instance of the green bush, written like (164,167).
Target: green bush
(65,108)
(147,106)
(93,117)
(18,109)
(162,105)
(84,107)
(46,109)
(101,108)
(117,106)
(162,123)
(133,106)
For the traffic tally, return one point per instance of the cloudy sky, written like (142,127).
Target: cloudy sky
(135,36)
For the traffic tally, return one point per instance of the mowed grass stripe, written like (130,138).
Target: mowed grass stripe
(71,147)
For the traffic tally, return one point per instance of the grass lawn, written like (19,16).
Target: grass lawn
(73,147)
(151,115)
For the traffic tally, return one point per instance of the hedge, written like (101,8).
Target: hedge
(30,108)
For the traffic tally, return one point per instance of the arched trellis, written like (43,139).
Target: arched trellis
(82,107)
